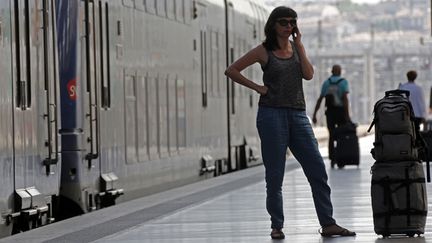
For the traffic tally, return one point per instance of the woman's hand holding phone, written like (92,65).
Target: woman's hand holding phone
(295,32)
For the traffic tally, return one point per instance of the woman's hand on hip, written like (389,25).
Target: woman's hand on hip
(262,90)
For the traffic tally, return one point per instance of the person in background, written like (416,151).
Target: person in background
(335,91)
(430,101)
(282,120)
(416,98)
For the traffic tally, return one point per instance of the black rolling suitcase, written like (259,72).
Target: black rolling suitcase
(426,151)
(347,151)
(399,199)
(427,139)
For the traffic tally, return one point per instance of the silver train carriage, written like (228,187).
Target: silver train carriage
(29,97)
(106,101)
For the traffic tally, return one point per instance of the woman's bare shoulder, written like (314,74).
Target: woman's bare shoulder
(260,53)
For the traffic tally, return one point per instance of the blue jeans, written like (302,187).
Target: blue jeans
(280,128)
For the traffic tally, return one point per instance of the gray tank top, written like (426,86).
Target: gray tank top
(284,79)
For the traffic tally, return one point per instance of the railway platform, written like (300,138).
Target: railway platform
(231,208)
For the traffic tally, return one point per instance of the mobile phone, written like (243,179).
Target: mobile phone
(294,32)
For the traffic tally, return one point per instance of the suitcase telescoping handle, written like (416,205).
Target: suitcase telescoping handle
(397,92)
(428,175)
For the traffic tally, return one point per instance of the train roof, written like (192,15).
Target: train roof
(244,6)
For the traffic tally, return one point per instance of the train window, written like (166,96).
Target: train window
(200,10)
(1,32)
(181,113)
(129,3)
(179,9)
(257,20)
(233,90)
(160,8)
(172,116)
(139,5)
(244,50)
(263,16)
(150,6)
(251,77)
(214,61)
(236,88)
(203,63)
(170,9)
(142,118)
(209,60)
(239,50)
(119,28)
(187,10)
(152,118)
(222,64)
(131,135)
(107,88)
(251,32)
(104,55)
(209,64)
(163,116)
(218,75)
(28,51)
(102,60)
(22,53)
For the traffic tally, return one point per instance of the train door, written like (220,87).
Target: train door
(35,133)
(22,89)
(234,140)
(205,40)
(97,103)
(237,135)
(48,86)
(6,125)
(200,14)
(98,82)
(92,77)
(201,45)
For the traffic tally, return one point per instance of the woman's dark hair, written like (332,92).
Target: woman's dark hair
(270,42)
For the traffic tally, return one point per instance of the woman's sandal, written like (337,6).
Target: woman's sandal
(277,234)
(336,231)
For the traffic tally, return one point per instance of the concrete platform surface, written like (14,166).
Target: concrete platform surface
(231,208)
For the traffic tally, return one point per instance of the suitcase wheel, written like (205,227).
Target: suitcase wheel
(332,163)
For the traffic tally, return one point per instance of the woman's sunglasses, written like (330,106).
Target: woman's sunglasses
(285,22)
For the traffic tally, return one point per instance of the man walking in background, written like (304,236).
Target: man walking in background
(416,98)
(335,91)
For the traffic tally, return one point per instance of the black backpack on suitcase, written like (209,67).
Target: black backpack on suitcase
(395,135)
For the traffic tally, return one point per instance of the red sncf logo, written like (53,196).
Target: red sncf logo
(71,88)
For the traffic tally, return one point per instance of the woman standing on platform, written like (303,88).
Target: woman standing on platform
(282,120)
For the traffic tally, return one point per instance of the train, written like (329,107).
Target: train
(106,101)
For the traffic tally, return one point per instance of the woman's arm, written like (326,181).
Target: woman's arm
(257,54)
(306,66)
